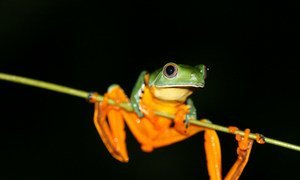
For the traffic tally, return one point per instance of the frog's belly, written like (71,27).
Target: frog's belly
(171,93)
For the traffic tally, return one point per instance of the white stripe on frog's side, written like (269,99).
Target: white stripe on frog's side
(141,91)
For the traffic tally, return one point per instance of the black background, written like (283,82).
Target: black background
(251,48)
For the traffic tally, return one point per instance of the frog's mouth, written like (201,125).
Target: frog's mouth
(187,86)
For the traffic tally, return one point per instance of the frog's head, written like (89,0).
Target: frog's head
(178,75)
(175,82)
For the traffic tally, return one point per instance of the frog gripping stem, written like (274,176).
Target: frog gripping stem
(110,126)
(243,153)
(155,131)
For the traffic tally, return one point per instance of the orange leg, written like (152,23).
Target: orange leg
(141,129)
(110,120)
(243,152)
(213,154)
(110,126)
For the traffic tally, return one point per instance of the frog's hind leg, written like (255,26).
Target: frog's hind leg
(109,121)
(213,153)
(243,152)
(110,124)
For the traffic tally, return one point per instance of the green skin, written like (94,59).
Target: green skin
(186,77)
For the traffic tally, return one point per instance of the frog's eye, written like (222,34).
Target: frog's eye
(170,70)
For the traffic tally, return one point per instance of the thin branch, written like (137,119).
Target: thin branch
(128,107)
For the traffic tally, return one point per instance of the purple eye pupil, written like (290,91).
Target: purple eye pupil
(170,70)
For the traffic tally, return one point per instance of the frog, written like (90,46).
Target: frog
(161,112)
(171,83)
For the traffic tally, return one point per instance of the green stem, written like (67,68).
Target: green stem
(43,85)
(127,106)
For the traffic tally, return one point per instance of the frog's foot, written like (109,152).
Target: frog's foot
(189,116)
(243,152)
(110,124)
(260,139)
(181,120)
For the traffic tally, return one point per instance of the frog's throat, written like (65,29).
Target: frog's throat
(179,94)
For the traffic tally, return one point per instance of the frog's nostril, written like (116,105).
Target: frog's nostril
(204,71)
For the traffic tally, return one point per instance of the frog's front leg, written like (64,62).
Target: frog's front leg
(137,92)
(193,112)
(180,120)
(184,114)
